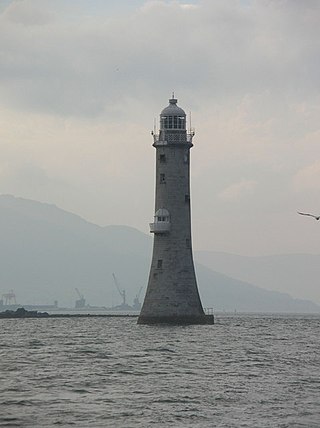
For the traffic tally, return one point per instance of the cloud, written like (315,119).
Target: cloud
(82,81)
(308,178)
(90,65)
(189,6)
(240,190)
(28,13)
(31,181)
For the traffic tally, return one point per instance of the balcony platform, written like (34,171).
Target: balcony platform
(160,227)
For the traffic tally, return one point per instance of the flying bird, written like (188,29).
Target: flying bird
(317,217)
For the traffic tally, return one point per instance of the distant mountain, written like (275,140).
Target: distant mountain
(229,294)
(297,274)
(46,253)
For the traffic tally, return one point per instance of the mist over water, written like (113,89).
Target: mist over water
(245,371)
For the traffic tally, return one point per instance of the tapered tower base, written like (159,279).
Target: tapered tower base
(177,320)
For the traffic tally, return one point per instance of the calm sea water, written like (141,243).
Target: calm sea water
(245,371)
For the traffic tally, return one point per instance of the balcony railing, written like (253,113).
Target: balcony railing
(160,227)
(170,138)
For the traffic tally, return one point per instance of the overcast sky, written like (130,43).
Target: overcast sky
(82,81)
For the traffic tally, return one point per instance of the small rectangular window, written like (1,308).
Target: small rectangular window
(159,265)
(187,198)
(181,123)
(162,178)
(188,243)
(162,158)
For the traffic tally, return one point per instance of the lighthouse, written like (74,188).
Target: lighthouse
(172,295)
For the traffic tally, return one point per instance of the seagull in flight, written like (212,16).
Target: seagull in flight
(317,217)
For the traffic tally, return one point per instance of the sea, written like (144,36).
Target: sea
(246,370)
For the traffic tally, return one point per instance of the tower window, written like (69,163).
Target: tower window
(163,158)
(180,122)
(159,264)
(173,122)
(187,198)
(188,243)
(162,178)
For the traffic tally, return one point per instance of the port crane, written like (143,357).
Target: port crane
(9,298)
(121,292)
(81,302)
(136,300)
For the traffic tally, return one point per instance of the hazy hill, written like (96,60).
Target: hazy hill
(47,252)
(297,274)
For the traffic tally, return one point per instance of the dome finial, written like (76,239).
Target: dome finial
(173,100)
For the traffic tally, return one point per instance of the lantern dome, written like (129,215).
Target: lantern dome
(173,117)
(173,109)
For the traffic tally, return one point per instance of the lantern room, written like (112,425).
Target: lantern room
(173,117)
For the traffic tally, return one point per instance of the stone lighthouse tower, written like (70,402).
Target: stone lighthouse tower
(172,295)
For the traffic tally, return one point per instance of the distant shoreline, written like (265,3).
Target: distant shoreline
(23,313)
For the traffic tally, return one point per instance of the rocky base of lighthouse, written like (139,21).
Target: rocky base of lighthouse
(177,320)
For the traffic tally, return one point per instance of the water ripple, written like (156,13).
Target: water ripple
(245,371)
